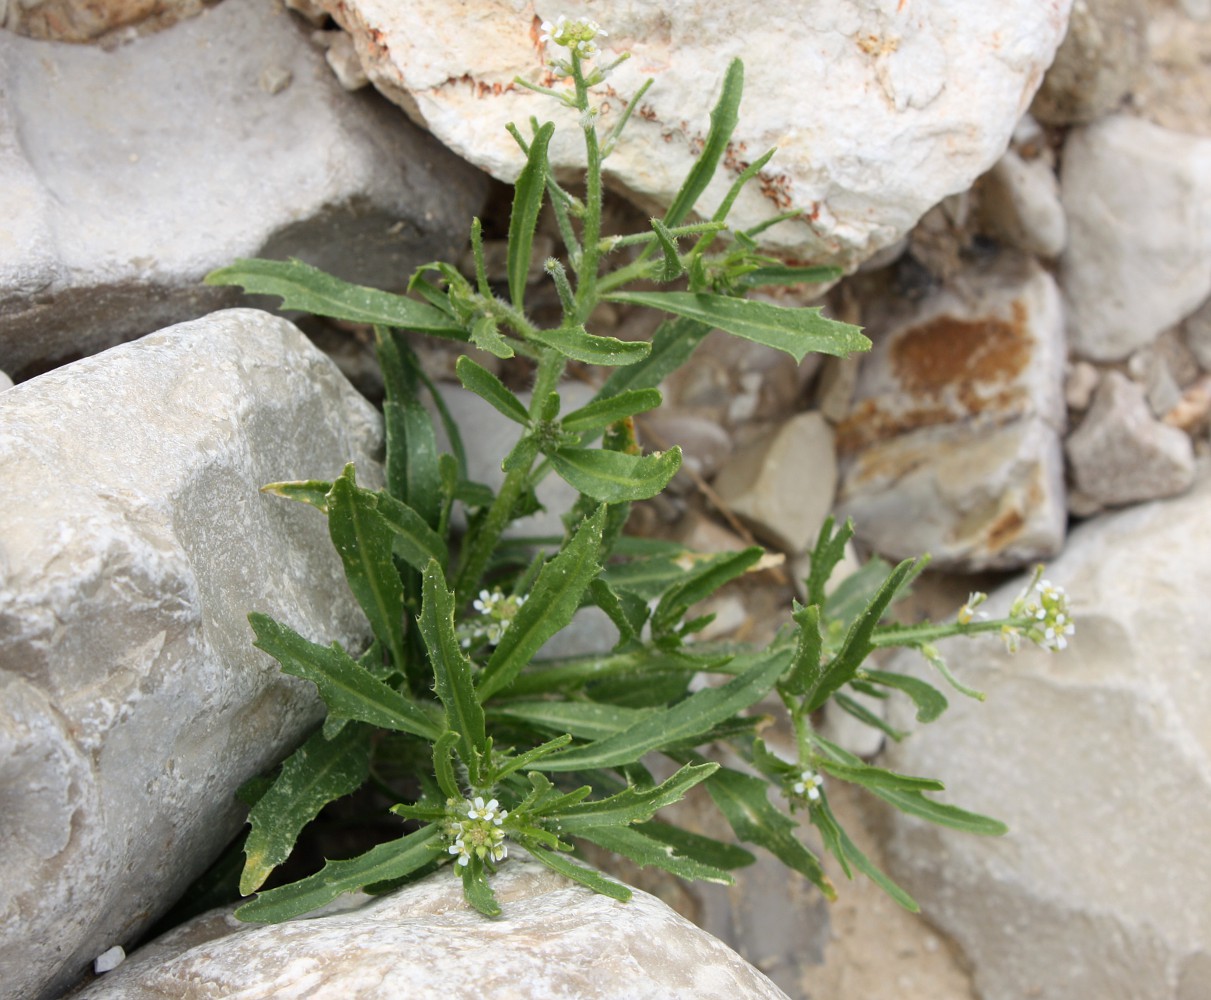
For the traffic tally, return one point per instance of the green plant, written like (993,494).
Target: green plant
(505,748)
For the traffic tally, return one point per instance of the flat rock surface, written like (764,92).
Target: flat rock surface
(888,108)
(556,940)
(127,175)
(135,542)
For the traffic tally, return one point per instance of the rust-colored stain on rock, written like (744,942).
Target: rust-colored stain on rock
(947,351)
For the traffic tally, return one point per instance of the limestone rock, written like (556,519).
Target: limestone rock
(1197,328)
(126,176)
(1020,204)
(893,107)
(1097,63)
(423,942)
(953,445)
(1138,201)
(1099,760)
(1122,454)
(135,543)
(90,20)
(782,484)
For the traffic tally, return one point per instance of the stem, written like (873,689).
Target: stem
(929,632)
(586,289)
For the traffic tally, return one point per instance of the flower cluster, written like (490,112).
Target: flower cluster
(477,830)
(496,611)
(578,35)
(1042,616)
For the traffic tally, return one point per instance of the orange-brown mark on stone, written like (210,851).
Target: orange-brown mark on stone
(536,32)
(945,352)
(776,189)
(1004,529)
(481,87)
(868,423)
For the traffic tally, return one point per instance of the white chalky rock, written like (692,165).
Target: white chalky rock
(135,542)
(783,483)
(1122,454)
(1020,202)
(555,940)
(1099,760)
(126,176)
(878,110)
(1138,201)
(85,20)
(953,444)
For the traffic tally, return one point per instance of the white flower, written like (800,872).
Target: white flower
(808,785)
(489,812)
(1045,606)
(479,833)
(968,611)
(576,35)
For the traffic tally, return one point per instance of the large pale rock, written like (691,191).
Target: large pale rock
(1020,205)
(135,542)
(1138,201)
(1122,454)
(953,444)
(1099,760)
(878,110)
(86,20)
(126,176)
(556,940)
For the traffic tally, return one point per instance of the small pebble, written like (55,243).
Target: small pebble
(109,960)
(275,79)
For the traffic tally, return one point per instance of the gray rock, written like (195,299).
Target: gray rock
(91,20)
(1122,454)
(1197,329)
(1020,204)
(1096,63)
(5,382)
(126,176)
(1099,760)
(1138,201)
(953,446)
(423,942)
(135,543)
(783,483)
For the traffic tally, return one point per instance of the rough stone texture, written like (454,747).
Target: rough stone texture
(1097,63)
(953,445)
(135,543)
(1138,201)
(556,940)
(782,485)
(89,20)
(1121,453)
(1099,760)
(890,107)
(1020,204)
(1174,88)
(126,176)
(1197,328)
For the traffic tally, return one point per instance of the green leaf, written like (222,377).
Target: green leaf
(647,578)
(492,390)
(876,777)
(443,766)
(309,491)
(452,678)
(388,861)
(602,412)
(701,581)
(477,891)
(826,554)
(929,700)
(527,201)
(523,760)
(586,720)
(548,608)
(318,772)
(577,873)
(864,714)
(628,612)
(797,331)
(744,801)
(309,289)
(615,477)
(580,345)
(363,539)
(846,851)
(485,334)
(709,851)
(724,117)
(668,244)
(672,344)
(806,669)
(781,275)
(695,715)
(646,852)
(858,646)
(632,804)
(413,540)
(348,690)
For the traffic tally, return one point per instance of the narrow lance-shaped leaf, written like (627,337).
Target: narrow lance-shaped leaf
(702,580)
(318,772)
(846,852)
(797,331)
(414,541)
(477,891)
(668,245)
(709,851)
(580,345)
(646,852)
(586,720)
(549,606)
(613,476)
(348,690)
(603,412)
(929,700)
(577,873)
(672,344)
(311,290)
(695,715)
(828,551)
(363,540)
(634,805)
(806,669)
(384,863)
(489,388)
(309,491)
(724,117)
(452,670)
(527,201)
